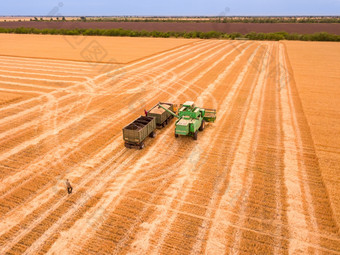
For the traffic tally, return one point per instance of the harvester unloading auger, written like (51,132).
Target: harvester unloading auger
(191,119)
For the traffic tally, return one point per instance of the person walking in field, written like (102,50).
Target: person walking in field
(69,187)
(146,112)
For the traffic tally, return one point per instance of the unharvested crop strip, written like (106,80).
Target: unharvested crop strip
(295,212)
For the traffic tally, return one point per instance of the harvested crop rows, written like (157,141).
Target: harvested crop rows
(251,183)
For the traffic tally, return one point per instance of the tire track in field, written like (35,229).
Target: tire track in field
(280,193)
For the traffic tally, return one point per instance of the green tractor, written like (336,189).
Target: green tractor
(191,119)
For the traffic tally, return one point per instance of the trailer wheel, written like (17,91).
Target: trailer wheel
(176,135)
(127,146)
(153,134)
(202,126)
(195,135)
(141,146)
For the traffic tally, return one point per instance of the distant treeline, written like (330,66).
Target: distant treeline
(202,35)
(222,19)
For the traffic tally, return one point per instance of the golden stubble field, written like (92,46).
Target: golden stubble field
(262,179)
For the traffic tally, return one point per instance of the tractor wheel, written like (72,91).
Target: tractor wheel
(202,126)
(153,134)
(195,135)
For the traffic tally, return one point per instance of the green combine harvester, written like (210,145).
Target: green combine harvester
(191,119)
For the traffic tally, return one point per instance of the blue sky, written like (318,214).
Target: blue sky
(170,7)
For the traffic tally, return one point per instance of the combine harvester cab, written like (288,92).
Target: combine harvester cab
(162,116)
(191,119)
(137,131)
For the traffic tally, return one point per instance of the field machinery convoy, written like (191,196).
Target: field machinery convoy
(191,119)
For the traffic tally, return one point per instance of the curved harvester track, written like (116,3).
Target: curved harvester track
(251,183)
